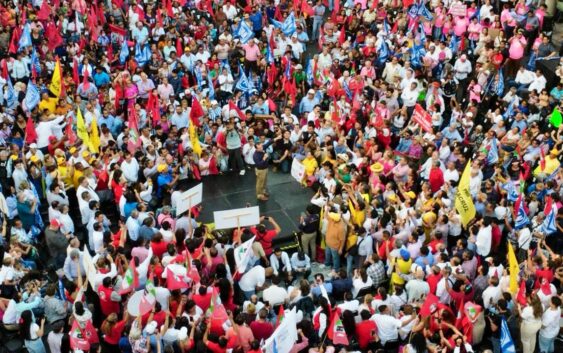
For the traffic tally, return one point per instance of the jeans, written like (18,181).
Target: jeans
(316,28)
(496,344)
(546,344)
(248,294)
(332,254)
(349,265)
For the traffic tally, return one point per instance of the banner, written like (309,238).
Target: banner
(463,201)
(190,198)
(240,217)
(422,118)
(458,10)
(285,335)
(242,255)
(297,170)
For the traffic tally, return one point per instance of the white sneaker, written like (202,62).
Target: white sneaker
(242,172)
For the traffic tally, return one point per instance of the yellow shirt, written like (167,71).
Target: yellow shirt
(75,177)
(50,104)
(310,165)
(551,164)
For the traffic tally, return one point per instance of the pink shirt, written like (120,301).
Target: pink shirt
(361,2)
(460,26)
(474,30)
(251,52)
(506,17)
(516,49)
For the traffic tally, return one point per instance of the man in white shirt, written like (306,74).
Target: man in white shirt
(252,281)
(523,78)
(410,95)
(492,294)
(417,288)
(462,69)
(130,168)
(275,295)
(550,325)
(539,82)
(388,326)
(279,261)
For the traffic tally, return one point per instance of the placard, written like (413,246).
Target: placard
(423,118)
(190,198)
(297,170)
(458,10)
(238,217)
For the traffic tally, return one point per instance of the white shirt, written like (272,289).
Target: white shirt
(491,295)
(387,327)
(252,279)
(462,69)
(524,77)
(277,266)
(483,241)
(550,323)
(359,284)
(274,295)
(416,289)
(98,241)
(45,129)
(538,83)
(130,170)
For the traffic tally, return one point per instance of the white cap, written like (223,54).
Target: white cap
(33,145)
(151,327)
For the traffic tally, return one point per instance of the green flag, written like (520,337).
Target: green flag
(556,118)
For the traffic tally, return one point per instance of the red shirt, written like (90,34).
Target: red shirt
(496,236)
(436,179)
(364,333)
(261,330)
(215,348)
(203,301)
(432,281)
(108,306)
(115,333)
(265,239)
(158,249)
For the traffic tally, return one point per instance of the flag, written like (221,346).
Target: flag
(542,159)
(244,84)
(81,130)
(506,343)
(25,39)
(35,64)
(75,75)
(459,317)
(417,53)
(492,154)
(342,35)
(548,226)
(309,73)
(500,85)
(211,93)
(142,54)
(94,137)
(175,281)
(30,132)
(69,132)
(242,255)
(11,97)
(509,112)
(55,87)
(284,336)
(281,315)
(32,97)
(124,52)
(307,9)
(454,44)
(513,269)
(521,217)
(463,201)
(130,279)
(194,140)
(336,332)
(382,53)
(288,26)
(556,117)
(196,112)
(134,142)
(430,305)
(244,32)
(521,296)
(269,54)
(413,11)
(44,12)
(424,12)
(233,106)
(149,285)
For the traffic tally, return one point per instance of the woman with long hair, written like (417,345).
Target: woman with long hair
(32,333)
(531,323)
(111,331)
(417,344)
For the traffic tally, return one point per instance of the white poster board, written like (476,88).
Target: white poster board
(140,303)
(189,199)
(458,10)
(238,217)
(297,170)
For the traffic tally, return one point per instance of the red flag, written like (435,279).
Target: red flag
(209,7)
(233,106)
(175,281)
(169,11)
(13,49)
(139,11)
(130,280)
(179,49)
(196,112)
(542,159)
(75,75)
(460,314)
(293,91)
(321,38)
(281,315)
(342,36)
(44,12)
(77,335)
(4,69)
(375,3)
(53,35)
(548,205)
(110,53)
(545,287)
(335,115)
(277,14)
(30,133)
(336,330)
(118,3)
(85,80)
(407,3)
(272,73)
(192,272)
(521,296)
(272,105)
(335,9)
(307,9)
(145,305)
(430,305)
(70,134)
(159,17)
(101,15)
(117,30)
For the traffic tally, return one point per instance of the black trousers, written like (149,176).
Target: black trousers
(235,159)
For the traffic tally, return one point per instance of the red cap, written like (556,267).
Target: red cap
(55,223)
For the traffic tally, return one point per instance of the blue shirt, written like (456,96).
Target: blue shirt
(307,104)
(162,181)
(101,79)
(520,124)
(420,260)
(256,19)
(108,120)
(317,290)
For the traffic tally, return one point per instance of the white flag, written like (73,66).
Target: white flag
(89,268)
(285,335)
(243,254)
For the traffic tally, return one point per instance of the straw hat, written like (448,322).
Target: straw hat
(376,167)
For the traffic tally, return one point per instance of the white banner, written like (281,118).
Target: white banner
(190,198)
(238,217)
(243,254)
(285,335)
(297,170)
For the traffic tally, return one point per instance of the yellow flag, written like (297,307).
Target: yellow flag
(513,269)
(81,130)
(55,87)
(463,202)
(194,140)
(94,137)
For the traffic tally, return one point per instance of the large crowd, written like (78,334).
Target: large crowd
(429,131)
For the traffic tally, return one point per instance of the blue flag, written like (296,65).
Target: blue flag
(32,97)
(269,54)
(422,33)
(521,218)
(511,192)
(386,26)
(35,62)
(413,11)
(424,12)
(244,84)
(492,155)
(198,76)
(11,97)
(347,90)
(417,52)
(142,54)
(309,73)
(506,343)
(500,85)
(510,109)
(548,226)
(454,44)
(211,93)
(382,54)
(244,32)
(25,39)
(288,26)
(124,52)
(532,61)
